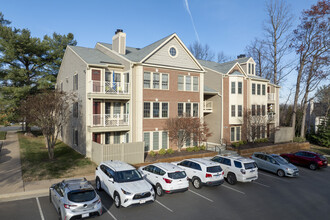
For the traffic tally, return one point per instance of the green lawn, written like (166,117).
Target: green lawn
(3,135)
(36,164)
(321,150)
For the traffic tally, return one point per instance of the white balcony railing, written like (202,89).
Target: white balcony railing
(107,87)
(208,106)
(271,96)
(110,120)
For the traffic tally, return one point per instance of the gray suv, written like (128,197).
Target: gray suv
(75,199)
(276,164)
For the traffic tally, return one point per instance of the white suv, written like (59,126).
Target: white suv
(202,171)
(123,183)
(166,177)
(237,168)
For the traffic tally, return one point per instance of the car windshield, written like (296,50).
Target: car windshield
(322,157)
(177,175)
(81,195)
(128,176)
(280,159)
(250,165)
(214,169)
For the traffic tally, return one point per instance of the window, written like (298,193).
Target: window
(195,110)
(253,110)
(249,68)
(263,110)
(263,89)
(75,109)
(188,109)
(258,110)
(263,132)
(146,139)
(180,109)
(108,108)
(75,137)
(232,134)
(238,133)
(156,80)
(252,68)
(146,110)
(116,77)
(188,83)
(164,110)
(195,84)
(146,80)
(116,138)
(75,82)
(233,87)
(239,110)
(233,111)
(127,137)
(180,83)
(107,138)
(239,88)
(172,51)
(238,164)
(195,143)
(253,88)
(156,110)
(258,89)
(226,161)
(116,108)
(164,81)
(164,139)
(155,140)
(188,141)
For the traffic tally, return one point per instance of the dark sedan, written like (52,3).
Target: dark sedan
(306,158)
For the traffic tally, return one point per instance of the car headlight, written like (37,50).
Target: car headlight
(152,189)
(125,192)
(289,170)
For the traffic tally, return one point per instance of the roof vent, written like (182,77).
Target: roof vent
(241,56)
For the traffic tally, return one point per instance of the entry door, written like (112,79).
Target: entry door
(96,113)
(96,77)
(97,137)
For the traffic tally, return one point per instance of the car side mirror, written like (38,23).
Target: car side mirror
(111,179)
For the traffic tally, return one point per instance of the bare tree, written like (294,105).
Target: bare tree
(311,42)
(49,111)
(277,28)
(254,123)
(221,57)
(182,129)
(202,52)
(323,96)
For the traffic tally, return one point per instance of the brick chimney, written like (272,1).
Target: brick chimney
(119,41)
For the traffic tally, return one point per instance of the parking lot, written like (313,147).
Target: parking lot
(270,197)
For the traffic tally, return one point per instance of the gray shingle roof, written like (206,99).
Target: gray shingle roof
(257,77)
(209,90)
(137,54)
(243,60)
(93,56)
(236,73)
(219,67)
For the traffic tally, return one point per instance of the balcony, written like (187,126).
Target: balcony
(271,117)
(110,120)
(271,97)
(208,106)
(106,88)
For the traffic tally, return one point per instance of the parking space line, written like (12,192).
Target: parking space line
(233,189)
(109,213)
(260,184)
(164,206)
(40,210)
(274,177)
(200,195)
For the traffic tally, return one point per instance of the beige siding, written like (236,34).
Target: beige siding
(183,59)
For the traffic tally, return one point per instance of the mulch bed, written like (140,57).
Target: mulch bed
(252,145)
(150,159)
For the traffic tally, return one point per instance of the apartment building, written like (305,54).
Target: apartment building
(235,93)
(125,94)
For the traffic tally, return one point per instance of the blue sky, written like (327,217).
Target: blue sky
(225,25)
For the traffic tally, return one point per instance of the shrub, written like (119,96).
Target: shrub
(235,144)
(170,151)
(189,149)
(196,149)
(162,151)
(152,153)
(3,135)
(299,139)
(202,147)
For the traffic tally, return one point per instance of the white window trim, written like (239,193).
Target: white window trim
(160,80)
(191,110)
(160,110)
(176,49)
(160,140)
(240,135)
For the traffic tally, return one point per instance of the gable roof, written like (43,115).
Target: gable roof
(208,90)
(219,67)
(93,56)
(243,59)
(137,54)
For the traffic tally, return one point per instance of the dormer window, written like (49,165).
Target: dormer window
(251,68)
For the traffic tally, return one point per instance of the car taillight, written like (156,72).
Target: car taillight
(208,175)
(167,180)
(243,171)
(67,206)
(223,172)
(320,163)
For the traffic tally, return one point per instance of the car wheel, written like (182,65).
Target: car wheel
(159,190)
(117,200)
(312,166)
(231,178)
(280,173)
(196,182)
(98,184)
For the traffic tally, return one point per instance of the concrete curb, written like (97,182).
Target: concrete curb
(23,195)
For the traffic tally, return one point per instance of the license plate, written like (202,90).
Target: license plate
(142,201)
(85,215)
(216,175)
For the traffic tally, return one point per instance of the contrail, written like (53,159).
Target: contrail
(192,20)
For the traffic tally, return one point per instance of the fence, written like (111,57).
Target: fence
(132,153)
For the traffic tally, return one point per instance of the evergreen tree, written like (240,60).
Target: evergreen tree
(322,136)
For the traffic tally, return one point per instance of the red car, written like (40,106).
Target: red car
(307,158)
